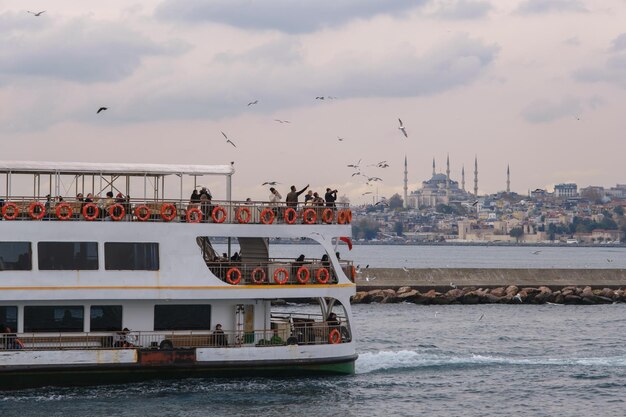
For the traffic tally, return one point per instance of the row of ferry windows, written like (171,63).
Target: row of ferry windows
(104,318)
(17,256)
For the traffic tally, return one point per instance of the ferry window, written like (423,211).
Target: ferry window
(53,319)
(105,318)
(8,317)
(68,255)
(131,256)
(182,317)
(15,256)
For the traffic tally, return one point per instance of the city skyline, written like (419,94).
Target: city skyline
(303,90)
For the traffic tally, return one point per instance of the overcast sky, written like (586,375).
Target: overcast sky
(537,84)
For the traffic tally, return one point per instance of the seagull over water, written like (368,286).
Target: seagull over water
(36,13)
(228,140)
(537,252)
(102,109)
(402,128)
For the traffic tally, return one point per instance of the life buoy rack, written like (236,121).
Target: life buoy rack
(277,274)
(334,337)
(242,219)
(348,216)
(342,217)
(229,276)
(255,277)
(319,273)
(168,212)
(309,216)
(90,208)
(327,215)
(215,217)
(121,212)
(39,215)
(290,216)
(142,212)
(299,275)
(14,211)
(264,216)
(194,215)
(65,215)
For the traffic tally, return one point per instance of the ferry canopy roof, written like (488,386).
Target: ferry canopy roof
(122,169)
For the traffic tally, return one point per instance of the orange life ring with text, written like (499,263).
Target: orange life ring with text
(90,207)
(285,274)
(214,216)
(168,212)
(15,211)
(310,216)
(67,212)
(290,216)
(307,274)
(142,212)
(319,273)
(327,216)
(229,276)
(242,219)
(341,217)
(121,212)
(334,337)
(194,215)
(40,214)
(267,220)
(255,277)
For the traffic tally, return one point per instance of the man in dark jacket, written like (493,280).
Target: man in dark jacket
(330,197)
(292,196)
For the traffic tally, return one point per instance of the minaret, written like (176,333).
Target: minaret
(406,184)
(433,167)
(448,176)
(508,179)
(463,177)
(476,176)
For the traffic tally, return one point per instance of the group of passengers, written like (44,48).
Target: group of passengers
(9,340)
(311,199)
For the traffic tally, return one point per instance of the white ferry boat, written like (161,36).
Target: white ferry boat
(98,287)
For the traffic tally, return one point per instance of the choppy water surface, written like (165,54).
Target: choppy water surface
(414,360)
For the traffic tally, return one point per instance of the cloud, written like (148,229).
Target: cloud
(619,43)
(290,16)
(546,111)
(548,6)
(463,9)
(613,70)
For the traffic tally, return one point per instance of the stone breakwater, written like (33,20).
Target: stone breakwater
(500,295)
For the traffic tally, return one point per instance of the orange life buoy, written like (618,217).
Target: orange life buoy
(15,211)
(319,273)
(90,207)
(220,219)
(285,274)
(334,337)
(267,220)
(255,277)
(341,217)
(168,212)
(242,219)
(68,211)
(348,216)
(327,216)
(307,274)
(310,216)
(194,219)
(120,210)
(40,214)
(290,216)
(229,277)
(142,212)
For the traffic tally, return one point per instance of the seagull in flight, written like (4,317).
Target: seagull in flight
(474,203)
(518,298)
(228,140)
(340,139)
(270,183)
(368,279)
(453,285)
(537,252)
(481,317)
(383,202)
(281,121)
(368,192)
(36,13)
(356,166)
(102,109)
(405,269)
(374,179)
(252,103)
(609,260)
(402,128)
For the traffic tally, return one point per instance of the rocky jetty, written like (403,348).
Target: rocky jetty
(499,295)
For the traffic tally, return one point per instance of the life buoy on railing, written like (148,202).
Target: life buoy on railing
(142,212)
(319,273)
(299,275)
(264,216)
(194,215)
(14,211)
(90,211)
(41,212)
(327,215)
(290,216)
(229,276)
(215,217)
(341,217)
(242,219)
(117,212)
(334,337)
(168,212)
(285,275)
(348,216)
(64,211)
(255,277)
(310,216)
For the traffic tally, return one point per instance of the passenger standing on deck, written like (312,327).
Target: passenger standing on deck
(275,198)
(308,198)
(330,197)
(292,196)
